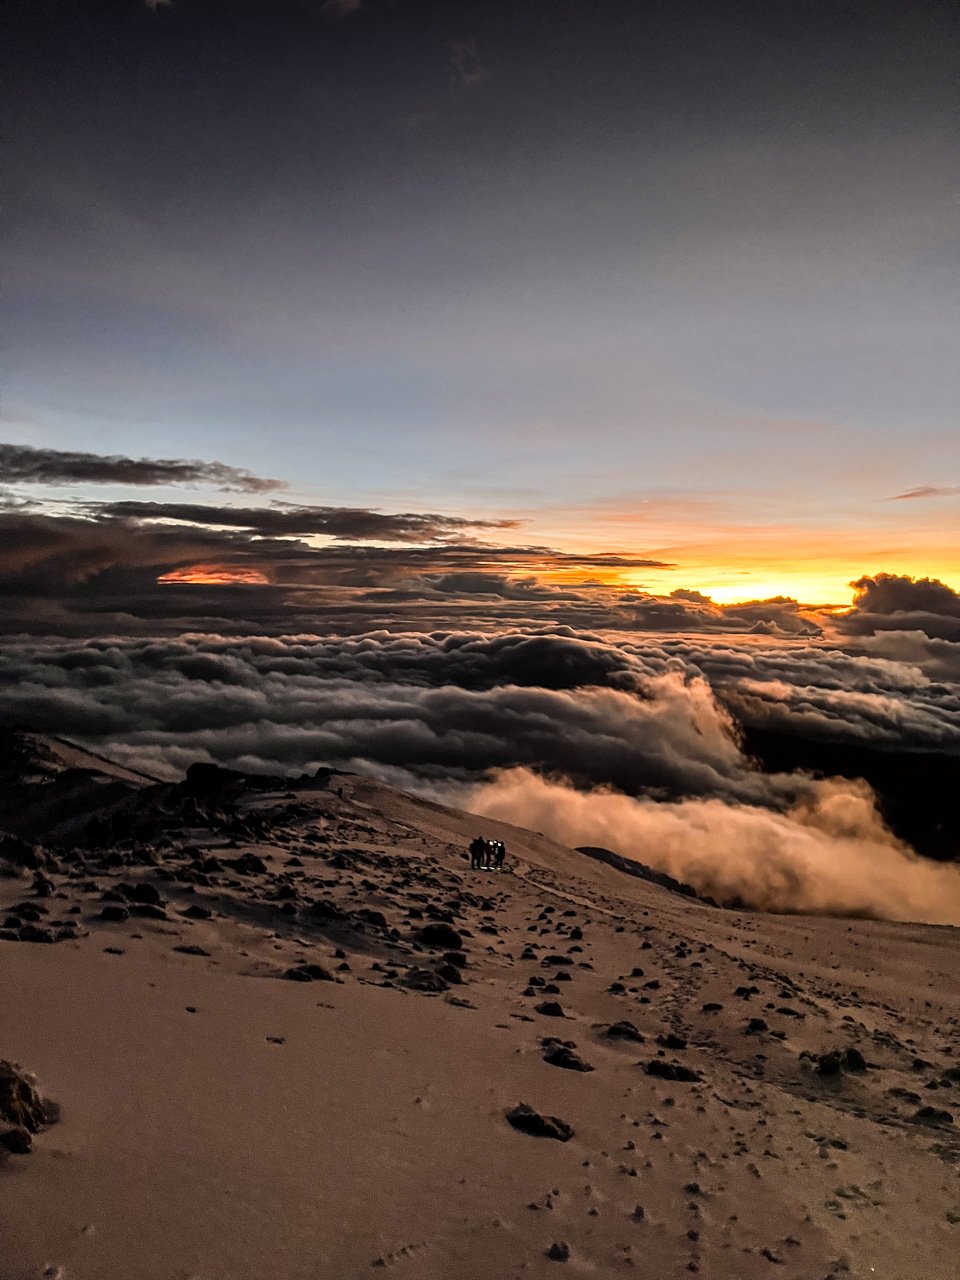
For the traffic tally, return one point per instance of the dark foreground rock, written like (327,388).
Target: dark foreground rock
(933,1116)
(558,1054)
(23,1107)
(306,973)
(672,1071)
(527,1120)
(624,1031)
(424,980)
(440,935)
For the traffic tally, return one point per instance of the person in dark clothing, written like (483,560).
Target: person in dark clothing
(499,853)
(478,848)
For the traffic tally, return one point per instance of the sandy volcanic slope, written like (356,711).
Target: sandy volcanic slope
(50,756)
(220,1123)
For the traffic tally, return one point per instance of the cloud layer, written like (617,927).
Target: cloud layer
(21,464)
(830,853)
(598,740)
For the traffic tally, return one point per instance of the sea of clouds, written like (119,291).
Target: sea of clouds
(609,739)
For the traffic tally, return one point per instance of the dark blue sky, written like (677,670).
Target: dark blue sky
(673,278)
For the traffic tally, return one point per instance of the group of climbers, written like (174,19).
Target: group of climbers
(486,855)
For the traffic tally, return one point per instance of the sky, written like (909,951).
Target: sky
(664,290)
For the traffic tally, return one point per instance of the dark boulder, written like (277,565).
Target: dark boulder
(932,1116)
(325,910)
(21,1103)
(248,864)
(562,1055)
(16,1142)
(624,1031)
(375,918)
(440,935)
(114,913)
(527,1120)
(423,980)
(35,933)
(672,1071)
(451,974)
(550,1009)
(309,973)
(147,894)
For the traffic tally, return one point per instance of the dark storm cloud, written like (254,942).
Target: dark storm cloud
(890,602)
(104,568)
(344,523)
(22,464)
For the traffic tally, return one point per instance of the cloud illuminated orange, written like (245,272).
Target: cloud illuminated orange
(216,575)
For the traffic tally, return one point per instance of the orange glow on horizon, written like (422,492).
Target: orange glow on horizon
(216,575)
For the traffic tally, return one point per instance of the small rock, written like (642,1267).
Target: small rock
(17,1142)
(309,973)
(672,1071)
(930,1115)
(562,1056)
(550,1009)
(624,1031)
(440,935)
(423,980)
(529,1121)
(196,911)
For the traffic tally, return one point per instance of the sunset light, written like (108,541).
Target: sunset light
(213,575)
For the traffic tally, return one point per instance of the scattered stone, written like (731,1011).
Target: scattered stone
(930,1115)
(562,1055)
(35,933)
(142,893)
(148,911)
(559,1251)
(196,911)
(529,1121)
(440,935)
(17,1142)
(423,980)
(21,1103)
(309,973)
(375,918)
(550,1009)
(672,1071)
(248,864)
(624,1031)
(837,1061)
